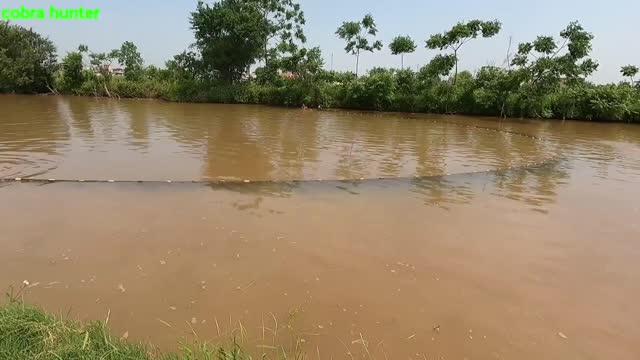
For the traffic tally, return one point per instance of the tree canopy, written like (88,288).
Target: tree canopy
(402,45)
(27,60)
(630,71)
(129,56)
(545,65)
(230,35)
(284,20)
(72,71)
(356,34)
(460,34)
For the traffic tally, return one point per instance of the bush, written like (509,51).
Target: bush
(611,102)
(492,91)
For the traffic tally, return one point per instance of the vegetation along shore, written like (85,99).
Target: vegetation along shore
(28,332)
(544,78)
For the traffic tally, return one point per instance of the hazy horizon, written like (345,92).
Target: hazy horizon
(161,29)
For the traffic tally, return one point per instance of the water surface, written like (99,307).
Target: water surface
(80,138)
(534,258)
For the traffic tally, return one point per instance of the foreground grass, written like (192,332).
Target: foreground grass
(28,332)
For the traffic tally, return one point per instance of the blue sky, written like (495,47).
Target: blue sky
(160,28)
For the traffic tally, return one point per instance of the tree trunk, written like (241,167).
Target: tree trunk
(401,61)
(266,41)
(455,74)
(357,62)
(266,61)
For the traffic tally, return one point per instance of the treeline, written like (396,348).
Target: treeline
(544,78)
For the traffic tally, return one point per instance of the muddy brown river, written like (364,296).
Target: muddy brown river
(335,234)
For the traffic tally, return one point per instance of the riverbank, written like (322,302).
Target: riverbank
(588,102)
(29,332)
(549,87)
(547,77)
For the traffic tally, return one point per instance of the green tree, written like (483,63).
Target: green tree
(494,85)
(544,66)
(440,65)
(434,91)
(402,45)
(72,71)
(284,20)
(374,91)
(356,33)
(230,36)
(304,63)
(186,65)
(100,63)
(129,56)
(630,71)
(460,34)
(27,60)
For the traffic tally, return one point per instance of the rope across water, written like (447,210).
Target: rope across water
(539,163)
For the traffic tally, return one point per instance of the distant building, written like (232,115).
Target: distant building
(117,71)
(109,69)
(288,75)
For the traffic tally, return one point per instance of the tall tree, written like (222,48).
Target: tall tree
(545,67)
(402,45)
(547,64)
(129,56)
(27,60)
(284,20)
(460,34)
(630,71)
(230,35)
(355,34)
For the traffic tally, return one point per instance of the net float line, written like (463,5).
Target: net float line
(291,181)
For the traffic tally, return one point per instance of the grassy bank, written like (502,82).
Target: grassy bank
(28,332)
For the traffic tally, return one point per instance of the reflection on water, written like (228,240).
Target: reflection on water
(443,192)
(273,189)
(535,186)
(80,138)
(85,138)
